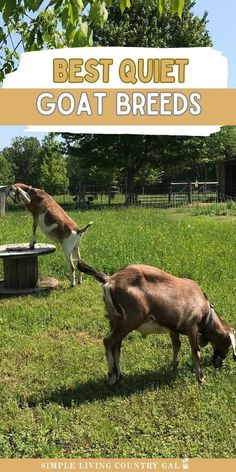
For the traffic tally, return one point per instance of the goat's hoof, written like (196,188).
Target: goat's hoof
(201,381)
(119,381)
(118,384)
(217,362)
(112,379)
(115,381)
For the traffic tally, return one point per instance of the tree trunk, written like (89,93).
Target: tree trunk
(130,197)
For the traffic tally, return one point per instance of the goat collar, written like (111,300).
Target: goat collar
(209,321)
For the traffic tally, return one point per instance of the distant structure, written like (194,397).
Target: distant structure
(2,199)
(227,177)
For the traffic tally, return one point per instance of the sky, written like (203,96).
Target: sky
(221,16)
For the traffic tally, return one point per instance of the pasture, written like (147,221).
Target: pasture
(54,396)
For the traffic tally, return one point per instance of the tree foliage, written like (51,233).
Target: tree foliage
(53,171)
(142,26)
(229,136)
(40,165)
(33,25)
(6,171)
(130,155)
(24,155)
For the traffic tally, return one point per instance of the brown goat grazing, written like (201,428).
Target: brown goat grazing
(151,301)
(52,220)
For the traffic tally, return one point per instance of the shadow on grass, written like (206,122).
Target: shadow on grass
(94,390)
(6,293)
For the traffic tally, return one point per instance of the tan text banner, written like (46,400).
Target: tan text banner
(19,107)
(118,465)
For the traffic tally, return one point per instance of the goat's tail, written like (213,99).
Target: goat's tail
(100,276)
(82,230)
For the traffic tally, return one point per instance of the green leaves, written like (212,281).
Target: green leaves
(161,6)
(58,23)
(8,11)
(124,4)
(2,3)
(81,35)
(98,13)
(177,6)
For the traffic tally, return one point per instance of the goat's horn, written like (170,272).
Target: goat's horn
(232,338)
(24,196)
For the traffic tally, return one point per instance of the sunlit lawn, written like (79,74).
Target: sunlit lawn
(54,397)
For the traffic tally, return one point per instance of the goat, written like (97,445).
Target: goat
(151,301)
(53,221)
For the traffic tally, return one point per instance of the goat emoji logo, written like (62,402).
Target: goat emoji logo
(185,464)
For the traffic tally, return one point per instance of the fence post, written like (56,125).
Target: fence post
(169,195)
(217,192)
(190,194)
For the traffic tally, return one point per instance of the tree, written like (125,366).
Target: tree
(33,26)
(192,157)
(94,174)
(228,134)
(131,155)
(53,171)
(142,26)
(24,155)
(40,165)
(118,157)
(6,171)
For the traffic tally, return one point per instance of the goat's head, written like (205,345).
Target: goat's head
(221,351)
(17,194)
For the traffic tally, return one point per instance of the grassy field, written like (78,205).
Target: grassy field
(54,397)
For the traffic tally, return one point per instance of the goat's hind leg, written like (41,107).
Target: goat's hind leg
(112,344)
(77,257)
(70,263)
(176,344)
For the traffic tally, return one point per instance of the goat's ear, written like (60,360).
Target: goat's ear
(24,196)
(203,341)
(232,339)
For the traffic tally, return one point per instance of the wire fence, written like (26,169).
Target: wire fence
(201,199)
(207,203)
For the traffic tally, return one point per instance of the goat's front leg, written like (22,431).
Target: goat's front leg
(176,344)
(193,339)
(34,228)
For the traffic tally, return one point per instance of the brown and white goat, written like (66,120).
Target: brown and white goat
(151,301)
(53,221)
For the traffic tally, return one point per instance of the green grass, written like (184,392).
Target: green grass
(54,397)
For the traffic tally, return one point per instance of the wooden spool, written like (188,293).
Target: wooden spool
(20,272)
(20,266)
